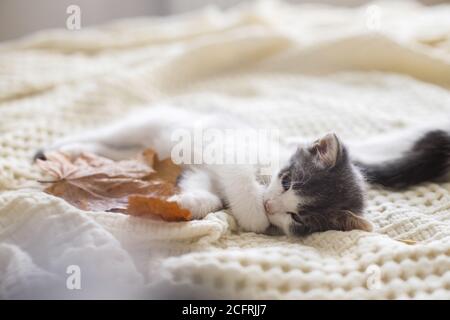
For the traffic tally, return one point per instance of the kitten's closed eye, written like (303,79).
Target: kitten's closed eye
(286,182)
(295,216)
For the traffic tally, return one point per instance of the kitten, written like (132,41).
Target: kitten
(316,187)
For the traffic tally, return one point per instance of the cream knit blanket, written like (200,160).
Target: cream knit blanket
(304,69)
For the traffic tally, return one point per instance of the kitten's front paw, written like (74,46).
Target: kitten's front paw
(251,215)
(198,203)
(256,221)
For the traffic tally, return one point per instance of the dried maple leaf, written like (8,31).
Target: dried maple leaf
(149,156)
(94,183)
(166,170)
(139,205)
(163,169)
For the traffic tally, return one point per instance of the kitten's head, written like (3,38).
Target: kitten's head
(318,189)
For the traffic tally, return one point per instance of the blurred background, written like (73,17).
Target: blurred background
(20,17)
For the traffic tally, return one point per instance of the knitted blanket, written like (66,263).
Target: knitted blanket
(303,69)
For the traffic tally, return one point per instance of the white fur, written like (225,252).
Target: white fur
(204,187)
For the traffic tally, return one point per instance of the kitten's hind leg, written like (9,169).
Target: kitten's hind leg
(113,152)
(117,142)
(196,194)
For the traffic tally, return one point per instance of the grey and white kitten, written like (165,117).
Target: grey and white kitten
(317,186)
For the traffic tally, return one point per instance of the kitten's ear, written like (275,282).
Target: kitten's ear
(347,221)
(327,150)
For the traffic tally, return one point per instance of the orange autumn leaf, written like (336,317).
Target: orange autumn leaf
(139,205)
(166,170)
(94,183)
(163,169)
(149,156)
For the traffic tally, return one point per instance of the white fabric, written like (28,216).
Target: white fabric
(304,69)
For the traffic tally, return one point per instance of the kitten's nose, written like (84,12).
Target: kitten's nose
(267,206)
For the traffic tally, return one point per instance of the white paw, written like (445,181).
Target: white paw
(251,215)
(197,202)
(255,221)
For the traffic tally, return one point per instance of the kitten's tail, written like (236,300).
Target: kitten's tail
(428,159)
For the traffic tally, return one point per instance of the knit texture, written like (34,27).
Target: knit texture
(305,70)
